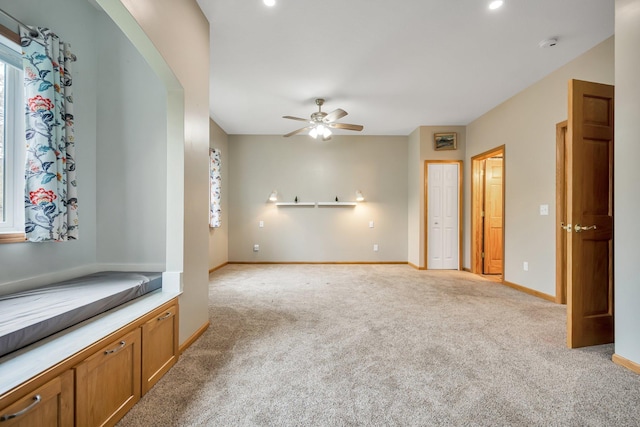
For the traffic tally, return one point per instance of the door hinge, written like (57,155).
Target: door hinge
(482,214)
(482,255)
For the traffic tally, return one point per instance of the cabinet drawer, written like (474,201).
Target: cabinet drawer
(108,382)
(159,346)
(48,405)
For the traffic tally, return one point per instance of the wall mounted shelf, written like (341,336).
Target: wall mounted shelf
(319,204)
(336,204)
(307,204)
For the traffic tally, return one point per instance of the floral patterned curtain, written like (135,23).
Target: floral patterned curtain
(215,180)
(51,203)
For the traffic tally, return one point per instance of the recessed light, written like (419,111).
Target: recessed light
(495,4)
(269,3)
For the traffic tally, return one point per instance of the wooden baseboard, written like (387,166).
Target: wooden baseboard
(317,262)
(468,270)
(185,345)
(530,291)
(626,363)
(218,267)
(413,265)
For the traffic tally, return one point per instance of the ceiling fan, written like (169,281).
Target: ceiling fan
(321,122)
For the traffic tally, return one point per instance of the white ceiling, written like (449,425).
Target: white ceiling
(393,65)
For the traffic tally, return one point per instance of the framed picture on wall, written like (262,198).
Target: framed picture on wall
(445,141)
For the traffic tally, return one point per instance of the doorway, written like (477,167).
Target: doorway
(443,214)
(487,213)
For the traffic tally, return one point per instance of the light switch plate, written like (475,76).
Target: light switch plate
(261,224)
(370,224)
(544,209)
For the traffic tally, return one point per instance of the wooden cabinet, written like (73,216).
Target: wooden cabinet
(108,382)
(49,405)
(159,345)
(99,384)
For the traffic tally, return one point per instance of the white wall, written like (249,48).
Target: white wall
(525,124)
(169,27)
(421,148)
(415,187)
(627,176)
(131,155)
(428,152)
(179,32)
(219,237)
(26,264)
(318,171)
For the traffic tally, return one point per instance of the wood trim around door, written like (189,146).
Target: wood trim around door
(426,209)
(561,213)
(476,207)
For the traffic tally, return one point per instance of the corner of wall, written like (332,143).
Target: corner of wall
(219,236)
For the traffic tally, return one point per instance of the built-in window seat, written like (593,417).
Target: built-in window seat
(135,333)
(29,316)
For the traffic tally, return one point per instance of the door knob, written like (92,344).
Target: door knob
(580,228)
(567,227)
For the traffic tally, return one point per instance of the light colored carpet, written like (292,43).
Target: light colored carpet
(387,345)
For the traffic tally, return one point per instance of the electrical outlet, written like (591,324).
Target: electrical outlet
(525,266)
(375,247)
(370,224)
(256,248)
(544,209)
(261,224)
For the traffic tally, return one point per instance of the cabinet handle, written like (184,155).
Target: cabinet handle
(167,314)
(36,400)
(113,350)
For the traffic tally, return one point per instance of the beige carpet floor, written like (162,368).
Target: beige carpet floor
(384,345)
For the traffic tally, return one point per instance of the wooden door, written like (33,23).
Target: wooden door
(443,216)
(493,216)
(590,209)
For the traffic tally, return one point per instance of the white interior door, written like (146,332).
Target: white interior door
(442,216)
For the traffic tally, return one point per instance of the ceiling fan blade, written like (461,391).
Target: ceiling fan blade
(334,115)
(296,118)
(346,126)
(295,132)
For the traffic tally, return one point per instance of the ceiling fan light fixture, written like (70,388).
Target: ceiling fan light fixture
(269,3)
(496,4)
(321,123)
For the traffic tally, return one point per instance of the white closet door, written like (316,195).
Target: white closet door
(442,216)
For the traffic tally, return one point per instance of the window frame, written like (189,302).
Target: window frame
(12,229)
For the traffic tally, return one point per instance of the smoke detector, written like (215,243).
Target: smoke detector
(548,42)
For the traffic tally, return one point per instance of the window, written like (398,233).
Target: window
(12,149)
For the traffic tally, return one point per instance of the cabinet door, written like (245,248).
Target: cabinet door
(108,382)
(49,405)
(159,346)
